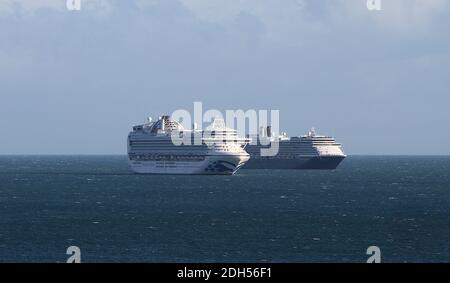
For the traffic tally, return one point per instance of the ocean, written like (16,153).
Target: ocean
(400,204)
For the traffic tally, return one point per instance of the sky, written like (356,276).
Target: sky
(75,82)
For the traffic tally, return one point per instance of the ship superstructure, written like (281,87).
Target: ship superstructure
(215,150)
(311,151)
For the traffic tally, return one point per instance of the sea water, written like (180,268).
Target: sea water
(400,204)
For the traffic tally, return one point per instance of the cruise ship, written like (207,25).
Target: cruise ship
(311,151)
(215,150)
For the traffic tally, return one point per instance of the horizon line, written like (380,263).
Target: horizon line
(117,154)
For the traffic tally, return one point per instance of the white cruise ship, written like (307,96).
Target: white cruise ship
(219,150)
(311,151)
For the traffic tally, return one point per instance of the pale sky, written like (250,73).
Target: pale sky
(74,82)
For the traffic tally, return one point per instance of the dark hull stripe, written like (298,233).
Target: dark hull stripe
(328,162)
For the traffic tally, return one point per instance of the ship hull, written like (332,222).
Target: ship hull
(221,164)
(305,163)
(323,162)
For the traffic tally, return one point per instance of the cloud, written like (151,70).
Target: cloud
(277,15)
(10,6)
(413,14)
(26,7)
(395,16)
(281,19)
